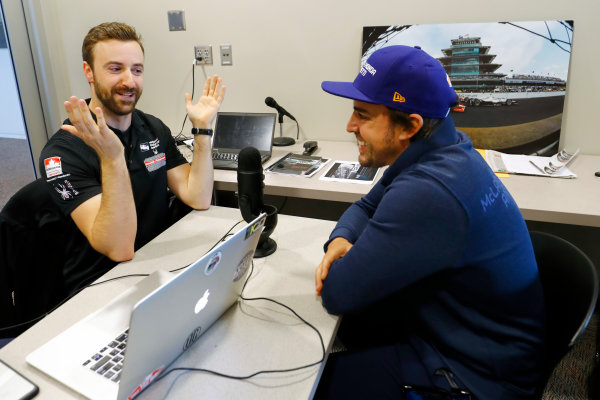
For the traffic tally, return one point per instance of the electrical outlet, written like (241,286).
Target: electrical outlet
(203,54)
(226,57)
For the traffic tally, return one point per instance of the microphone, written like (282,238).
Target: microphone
(272,103)
(250,179)
(281,140)
(250,183)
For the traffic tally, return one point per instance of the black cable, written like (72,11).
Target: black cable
(262,372)
(69,297)
(227,234)
(550,39)
(77,290)
(180,136)
(323,353)
(283,204)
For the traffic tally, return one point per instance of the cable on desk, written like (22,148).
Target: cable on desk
(272,371)
(5,328)
(77,290)
(225,236)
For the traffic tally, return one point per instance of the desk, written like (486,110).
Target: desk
(555,200)
(251,336)
(565,201)
(306,188)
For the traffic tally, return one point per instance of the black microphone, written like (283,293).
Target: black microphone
(250,198)
(272,103)
(250,183)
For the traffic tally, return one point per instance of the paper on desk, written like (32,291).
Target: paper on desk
(298,165)
(523,164)
(350,172)
(498,174)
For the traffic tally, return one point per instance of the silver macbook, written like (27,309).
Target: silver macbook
(236,130)
(120,349)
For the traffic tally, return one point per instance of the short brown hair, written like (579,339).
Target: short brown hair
(398,117)
(107,31)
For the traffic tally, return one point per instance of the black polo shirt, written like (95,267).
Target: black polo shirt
(72,170)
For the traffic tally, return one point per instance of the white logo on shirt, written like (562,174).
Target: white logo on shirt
(63,191)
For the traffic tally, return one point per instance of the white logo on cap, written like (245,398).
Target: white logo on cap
(367,68)
(448,78)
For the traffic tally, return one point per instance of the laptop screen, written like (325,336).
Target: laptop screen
(234,130)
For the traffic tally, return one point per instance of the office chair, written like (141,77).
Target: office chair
(570,283)
(32,253)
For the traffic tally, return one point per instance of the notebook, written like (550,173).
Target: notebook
(158,319)
(236,130)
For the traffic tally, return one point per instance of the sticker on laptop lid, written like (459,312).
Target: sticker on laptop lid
(243,266)
(192,338)
(213,263)
(255,226)
(147,381)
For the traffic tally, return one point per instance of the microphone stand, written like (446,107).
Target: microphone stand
(267,246)
(282,140)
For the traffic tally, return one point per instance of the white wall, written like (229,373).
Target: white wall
(285,48)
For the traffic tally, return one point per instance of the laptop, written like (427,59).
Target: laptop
(236,130)
(155,321)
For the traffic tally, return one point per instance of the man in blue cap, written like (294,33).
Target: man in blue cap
(433,270)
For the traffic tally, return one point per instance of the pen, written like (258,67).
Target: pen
(538,168)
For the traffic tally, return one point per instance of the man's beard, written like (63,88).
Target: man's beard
(107,98)
(378,160)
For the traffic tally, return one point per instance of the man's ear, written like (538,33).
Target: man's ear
(87,70)
(416,123)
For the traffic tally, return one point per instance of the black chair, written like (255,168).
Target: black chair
(570,283)
(32,254)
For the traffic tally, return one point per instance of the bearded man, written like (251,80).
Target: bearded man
(109,166)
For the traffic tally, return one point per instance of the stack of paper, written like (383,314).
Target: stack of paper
(529,165)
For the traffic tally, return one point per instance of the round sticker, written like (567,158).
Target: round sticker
(243,266)
(212,263)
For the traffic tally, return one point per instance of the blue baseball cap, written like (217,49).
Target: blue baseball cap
(402,78)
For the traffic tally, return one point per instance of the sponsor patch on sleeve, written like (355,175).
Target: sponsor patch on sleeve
(53,166)
(155,162)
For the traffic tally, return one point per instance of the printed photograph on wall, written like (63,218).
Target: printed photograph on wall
(510,77)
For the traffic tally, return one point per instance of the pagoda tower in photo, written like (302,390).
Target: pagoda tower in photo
(470,66)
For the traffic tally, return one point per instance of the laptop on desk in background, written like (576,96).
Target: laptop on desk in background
(120,349)
(237,130)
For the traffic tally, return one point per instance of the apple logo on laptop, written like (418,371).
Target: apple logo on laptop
(202,302)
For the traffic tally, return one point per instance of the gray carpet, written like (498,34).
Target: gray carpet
(16,169)
(571,378)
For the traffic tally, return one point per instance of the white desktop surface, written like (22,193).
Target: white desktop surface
(250,337)
(566,201)
(555,200)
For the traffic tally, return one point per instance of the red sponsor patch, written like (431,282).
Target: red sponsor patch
(53,166)
(155,162)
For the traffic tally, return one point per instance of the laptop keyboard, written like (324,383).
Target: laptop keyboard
(108,361)
(225,156)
